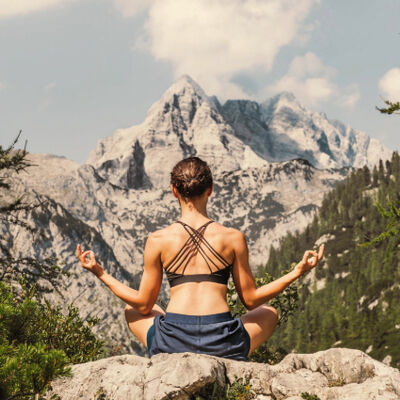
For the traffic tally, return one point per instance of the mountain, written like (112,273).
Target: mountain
(238,135)
(270,178)
(281,129)
(184,122)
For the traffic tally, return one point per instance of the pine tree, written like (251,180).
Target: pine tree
(27,269)
(358,301)
(375,176)
(37,341)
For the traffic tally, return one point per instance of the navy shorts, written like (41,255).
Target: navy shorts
(218,335)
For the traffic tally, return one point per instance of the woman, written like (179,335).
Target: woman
(198,256)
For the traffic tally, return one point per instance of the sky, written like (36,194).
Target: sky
(74,71)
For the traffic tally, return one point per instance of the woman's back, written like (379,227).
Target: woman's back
(198,256)
(198,259)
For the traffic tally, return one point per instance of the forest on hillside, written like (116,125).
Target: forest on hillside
(352,298)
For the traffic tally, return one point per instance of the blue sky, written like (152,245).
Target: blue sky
(74,71)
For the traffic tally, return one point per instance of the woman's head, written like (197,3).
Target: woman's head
(191,177)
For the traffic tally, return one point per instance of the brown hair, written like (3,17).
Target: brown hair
(191,177)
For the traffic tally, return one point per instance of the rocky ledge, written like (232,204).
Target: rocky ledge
(328,375)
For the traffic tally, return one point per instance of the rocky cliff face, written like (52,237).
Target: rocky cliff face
(238,135)
(272,164)
(335,374)
(184,122)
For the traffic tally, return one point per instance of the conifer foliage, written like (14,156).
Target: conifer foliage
(392,107)
(352,297)
(38,341)
(31,271)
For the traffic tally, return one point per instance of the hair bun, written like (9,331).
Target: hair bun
(191,177)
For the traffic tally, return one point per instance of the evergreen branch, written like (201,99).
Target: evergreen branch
(16,221)
(382,211)
(393,226)
(391,109)
(20,394)
(38,341)
(14,160)
(384,235)
(32,270)
(6,213)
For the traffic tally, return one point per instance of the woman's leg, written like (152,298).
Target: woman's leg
(139,324)
(260,324)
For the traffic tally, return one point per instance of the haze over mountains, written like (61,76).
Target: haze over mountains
(272,163)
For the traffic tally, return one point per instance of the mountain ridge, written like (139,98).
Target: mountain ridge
(185,121)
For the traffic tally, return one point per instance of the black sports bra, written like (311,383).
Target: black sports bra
(191,247)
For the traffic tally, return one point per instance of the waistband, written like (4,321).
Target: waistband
(198,319)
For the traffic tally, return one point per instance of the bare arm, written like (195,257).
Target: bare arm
(143,299)
(252,296)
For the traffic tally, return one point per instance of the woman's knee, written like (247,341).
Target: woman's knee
(262,314)
(131,313)
(272,313)
(128,308)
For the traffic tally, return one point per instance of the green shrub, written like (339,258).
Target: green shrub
(308,396)
(285,303)
(38,342)
(240,389)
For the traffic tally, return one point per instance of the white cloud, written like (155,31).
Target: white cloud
(389,84)
(350,95)
(9,8)
(129,8)
(312,82)
(49,86)
(212,40)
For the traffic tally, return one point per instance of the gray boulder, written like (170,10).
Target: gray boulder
(334,374)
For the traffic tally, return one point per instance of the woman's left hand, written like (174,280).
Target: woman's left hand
(91,263)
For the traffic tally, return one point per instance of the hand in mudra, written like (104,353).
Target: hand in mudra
(309,263)
(88,263)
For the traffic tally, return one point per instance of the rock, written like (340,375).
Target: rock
(334,374)
(295,398)
(303,380)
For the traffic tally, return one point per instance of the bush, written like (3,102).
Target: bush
(240,389)
(38,342)
(285,303)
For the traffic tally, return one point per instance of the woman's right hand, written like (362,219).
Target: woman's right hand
(306,264)
(91,263)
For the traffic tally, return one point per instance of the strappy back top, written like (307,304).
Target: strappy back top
(220,269)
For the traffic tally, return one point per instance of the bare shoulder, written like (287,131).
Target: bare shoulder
(232,235)
(162,235)
(155,239)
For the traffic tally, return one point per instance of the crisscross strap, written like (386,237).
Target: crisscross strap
(190,248)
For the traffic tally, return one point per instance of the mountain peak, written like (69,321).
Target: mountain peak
(285,95)
(284,100)
(183,90)
(185,85)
